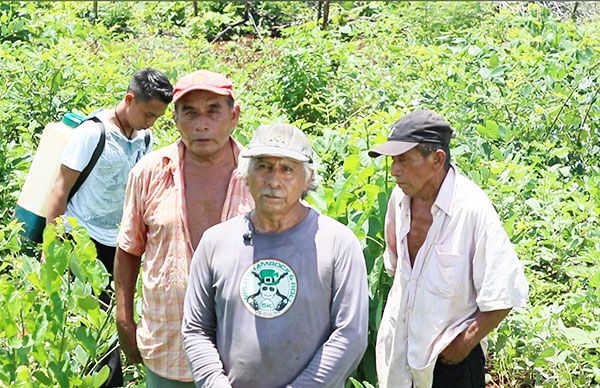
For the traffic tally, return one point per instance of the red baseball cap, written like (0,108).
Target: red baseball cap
(203,80)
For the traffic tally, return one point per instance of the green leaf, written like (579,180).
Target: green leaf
(88,303)
(352,163)
(494,61)
(489,130)
(474,50)
(355,383)
(101,377)
(583,338)
(42,377)
(594,279)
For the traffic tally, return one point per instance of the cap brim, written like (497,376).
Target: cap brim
(391,148)
(220,91)
(274,151)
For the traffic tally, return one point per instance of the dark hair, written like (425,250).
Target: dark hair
(427,148)
(149,84)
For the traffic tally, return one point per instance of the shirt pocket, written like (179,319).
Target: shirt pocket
(445,272)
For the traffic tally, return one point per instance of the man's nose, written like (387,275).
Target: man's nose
(201,123)
(274,178)
(395,169)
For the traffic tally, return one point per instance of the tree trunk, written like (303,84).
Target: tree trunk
(325,14)
(95,10)
(574,14)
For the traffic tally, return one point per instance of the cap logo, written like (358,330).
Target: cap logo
(391,132)
(278,140)
(200,78)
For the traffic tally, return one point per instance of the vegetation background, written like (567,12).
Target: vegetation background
(519,84)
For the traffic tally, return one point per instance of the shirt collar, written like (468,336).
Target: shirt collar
(444,198)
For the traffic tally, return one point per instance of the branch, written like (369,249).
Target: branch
(230,27)
(587,112)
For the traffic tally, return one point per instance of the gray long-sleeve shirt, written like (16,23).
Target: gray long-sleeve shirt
(276,309)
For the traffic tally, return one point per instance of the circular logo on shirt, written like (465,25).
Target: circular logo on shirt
(268,288)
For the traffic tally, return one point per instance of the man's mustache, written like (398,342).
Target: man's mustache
(270,192)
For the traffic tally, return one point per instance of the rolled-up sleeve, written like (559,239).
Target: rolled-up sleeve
(498,274)
(132,232)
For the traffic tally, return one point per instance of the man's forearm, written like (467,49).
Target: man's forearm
(484,323)
(57,203)
(56,207)
(465,342)
(127,267)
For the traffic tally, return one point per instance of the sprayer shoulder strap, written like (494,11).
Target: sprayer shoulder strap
(147,139)
(95,156)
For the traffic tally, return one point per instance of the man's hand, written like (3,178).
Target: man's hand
(457,350)
(128,341)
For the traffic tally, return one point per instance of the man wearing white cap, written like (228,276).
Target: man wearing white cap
(278,297)
(174,195)
(456,272)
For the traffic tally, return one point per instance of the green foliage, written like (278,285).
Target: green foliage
(14,23)
(520,89)
(53,330)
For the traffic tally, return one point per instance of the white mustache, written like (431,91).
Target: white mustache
(270,192)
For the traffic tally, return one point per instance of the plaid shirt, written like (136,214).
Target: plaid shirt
(155,222)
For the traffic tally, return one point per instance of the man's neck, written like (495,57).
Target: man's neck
(429,194)
(118,116)
(275,223)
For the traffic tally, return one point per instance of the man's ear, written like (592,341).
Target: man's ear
(439,158)
(235,115)
(129,97)
(309,178)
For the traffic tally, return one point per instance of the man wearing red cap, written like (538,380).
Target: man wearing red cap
(174,195)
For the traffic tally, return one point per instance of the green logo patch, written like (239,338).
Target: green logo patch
(268,288)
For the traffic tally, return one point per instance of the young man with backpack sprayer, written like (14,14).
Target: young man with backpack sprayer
(97,203)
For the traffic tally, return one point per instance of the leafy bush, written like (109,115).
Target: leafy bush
(53,330)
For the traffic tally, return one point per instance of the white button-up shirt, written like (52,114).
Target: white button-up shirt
(466,264)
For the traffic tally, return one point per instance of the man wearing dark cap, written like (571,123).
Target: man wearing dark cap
(173,195)
(277,297)
(456,274)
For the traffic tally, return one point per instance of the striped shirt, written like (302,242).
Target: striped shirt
(155,223)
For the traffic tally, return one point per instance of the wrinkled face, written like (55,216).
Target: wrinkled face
(267,291)
(276,184)
(205,120)
(413,171)
(143,114)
